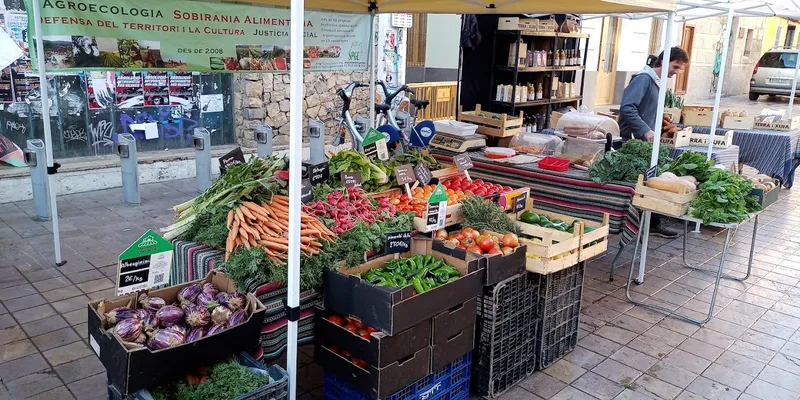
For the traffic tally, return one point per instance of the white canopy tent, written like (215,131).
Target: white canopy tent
(296,95)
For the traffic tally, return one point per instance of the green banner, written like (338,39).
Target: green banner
(194,36)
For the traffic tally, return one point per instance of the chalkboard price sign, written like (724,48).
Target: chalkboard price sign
(463,162)
(520,201)
(398,242)
(351,179)
(423,174)
(317,174)
(405,174)
(232,158)
(306,194)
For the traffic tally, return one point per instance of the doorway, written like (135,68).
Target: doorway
(607,67)
(789,43)
(682,79)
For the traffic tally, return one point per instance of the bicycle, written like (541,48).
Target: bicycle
(347,125)
(400,125)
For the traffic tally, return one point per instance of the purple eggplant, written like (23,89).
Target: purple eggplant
(179,328)
(169,316)
(197,316)
(141,339)
(188,293)
(236,301)
(216,328)
(120,313)
(237,318)
(220,315)
(151,303)
(207,301)
(142,314)
(164,338)
(129,329)
(210,289)
(194,335)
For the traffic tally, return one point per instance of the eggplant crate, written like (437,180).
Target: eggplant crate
(505,340)
(559,308)
(276,389)
(449,383)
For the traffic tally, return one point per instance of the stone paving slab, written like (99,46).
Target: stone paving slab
(750,350)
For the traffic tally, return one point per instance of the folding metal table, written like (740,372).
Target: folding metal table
(686,220)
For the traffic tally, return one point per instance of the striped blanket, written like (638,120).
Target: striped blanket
(192,261)
(570,193)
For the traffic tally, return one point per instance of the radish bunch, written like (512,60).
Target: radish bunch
(348,206)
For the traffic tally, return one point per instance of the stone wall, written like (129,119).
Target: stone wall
(264,97)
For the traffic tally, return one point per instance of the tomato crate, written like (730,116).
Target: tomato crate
(449,383)
(556,249)
(559,308)
(506,335)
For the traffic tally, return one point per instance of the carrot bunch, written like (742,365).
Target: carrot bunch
(266,226)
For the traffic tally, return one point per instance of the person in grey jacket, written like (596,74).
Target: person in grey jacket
(637,112)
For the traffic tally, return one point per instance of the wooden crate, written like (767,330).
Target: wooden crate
(776,123)
(502,126)
(731,122)
(682,138)
(548,257)
(720,141)
(386,193)
(453,218)
(662,202)
(697,115)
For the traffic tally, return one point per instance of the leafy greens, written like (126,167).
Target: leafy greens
(627,163)
(724,198)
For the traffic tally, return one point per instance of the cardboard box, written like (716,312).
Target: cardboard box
(453,347)
(720,141)
(376,382)
(775,123)
(132,369)
(449,323)
(393,310)
(731,122)
(381,350)
(519,61)
(697,115)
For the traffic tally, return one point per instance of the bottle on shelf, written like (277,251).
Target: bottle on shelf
(563,62)
(539,91)
(549,58)
(572,59)
(578,56)
(569,58)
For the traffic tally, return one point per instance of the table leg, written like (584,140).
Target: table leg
(614,262)
(726,276)
(644,232)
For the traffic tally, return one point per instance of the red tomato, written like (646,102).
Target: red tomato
(351,328)
(485,243)
(478,181)
(348,320)
(510,240)
(363,333)
(334,349)
(507,189)
(336,319)
(360,363)
(474,249)
(471,233)
(371,329)
(459,236)
(494,251)
(440,234)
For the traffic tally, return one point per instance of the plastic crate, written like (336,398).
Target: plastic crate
(505,349)
(559,310)
(554,164)
(276,389)
(449,383)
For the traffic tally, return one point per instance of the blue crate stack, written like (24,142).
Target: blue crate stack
(449,383)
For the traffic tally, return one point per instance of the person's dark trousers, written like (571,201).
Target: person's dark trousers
(655,220)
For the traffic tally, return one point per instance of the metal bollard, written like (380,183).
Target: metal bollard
(202,158)
(316,136)
(35,157)
(126,150)
(264,138)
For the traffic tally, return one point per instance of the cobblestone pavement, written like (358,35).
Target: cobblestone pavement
(750,350)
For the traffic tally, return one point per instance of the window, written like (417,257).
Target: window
(778,37)
(417,36)
(741,33)
(778,60)
(789,43)
(655,36)
(748,43)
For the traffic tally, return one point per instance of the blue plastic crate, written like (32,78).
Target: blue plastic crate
(449,383)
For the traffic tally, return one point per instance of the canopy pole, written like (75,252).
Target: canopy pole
(48,140)
(373,62)
(794,84)
(715,115)
(662,94)
(295,176)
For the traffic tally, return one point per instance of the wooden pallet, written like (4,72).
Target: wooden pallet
(662,202)
(503,126)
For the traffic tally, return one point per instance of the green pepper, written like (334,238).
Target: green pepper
(430,283)
(389,278)
(453,279)
(441,276)
(401,281)
(391,265)
(429,260)
(422,282)
(422,273)
(417,285)
(382,283)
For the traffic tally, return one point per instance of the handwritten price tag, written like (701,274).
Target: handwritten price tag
(398,242)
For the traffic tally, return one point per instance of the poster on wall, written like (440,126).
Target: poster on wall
(129,89)
(10,153)
(25,82)
(156,88)
(100,89)
(198,36)
(6,86)
(17,28)
(181,90)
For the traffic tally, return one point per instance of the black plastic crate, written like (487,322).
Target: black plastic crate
(559,308)
(505,336)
